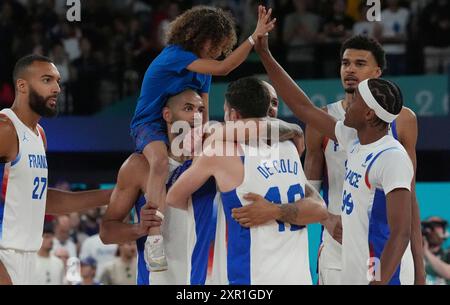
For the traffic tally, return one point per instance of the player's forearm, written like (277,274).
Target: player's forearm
(302,212)
(392,255)
(62,202)
(175,200)
(417,244)
(116,232)
(286,131)
(235,59)
(292,95)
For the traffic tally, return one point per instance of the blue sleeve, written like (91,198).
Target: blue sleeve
(178,59)
(206,85)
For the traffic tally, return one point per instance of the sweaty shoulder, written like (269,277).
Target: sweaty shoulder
(8,144)
(134,170)
(406,116)
(407,126)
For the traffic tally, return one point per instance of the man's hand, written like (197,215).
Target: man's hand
(334,226)
(258,212)
(148,218)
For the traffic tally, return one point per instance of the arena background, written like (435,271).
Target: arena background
(103,57)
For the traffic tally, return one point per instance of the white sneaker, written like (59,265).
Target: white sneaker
(154,255)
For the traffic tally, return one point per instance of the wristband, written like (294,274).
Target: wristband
(251,40)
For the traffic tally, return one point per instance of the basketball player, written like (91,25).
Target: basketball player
(361,58)
(24,196)
(275,253)
(376,204)
(187,234)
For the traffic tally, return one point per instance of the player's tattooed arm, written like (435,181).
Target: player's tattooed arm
(307,210)
(288,213)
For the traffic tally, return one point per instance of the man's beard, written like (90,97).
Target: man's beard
(349,90)
(38,104)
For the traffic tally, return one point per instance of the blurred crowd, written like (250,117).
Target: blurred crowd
(72,252)
(103,57)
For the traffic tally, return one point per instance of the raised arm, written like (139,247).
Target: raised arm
(238,56)
(292,95)
(307,210)
(314,159)
(63,202)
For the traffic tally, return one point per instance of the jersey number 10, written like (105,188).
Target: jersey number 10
(273,195)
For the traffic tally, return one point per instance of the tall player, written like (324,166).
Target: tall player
(24,196)
(376,199)
(361,58)
(187,234)
(276,252)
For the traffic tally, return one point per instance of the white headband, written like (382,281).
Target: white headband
(368,98)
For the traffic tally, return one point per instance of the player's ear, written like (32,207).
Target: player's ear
(379,72)
(370,115)
(21,85)
(167,114)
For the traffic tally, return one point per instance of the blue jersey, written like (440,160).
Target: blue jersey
(166,76)
(187,237)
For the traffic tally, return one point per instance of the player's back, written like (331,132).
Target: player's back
(273,253)
(23,191)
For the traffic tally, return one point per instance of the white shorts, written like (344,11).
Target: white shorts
(20,265)
(328,276)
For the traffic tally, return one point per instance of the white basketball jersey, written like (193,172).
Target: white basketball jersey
(273,253)
(187,236)
(372,171)
(333,181)
(23,191)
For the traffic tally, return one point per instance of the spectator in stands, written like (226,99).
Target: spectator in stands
(336,28)
(63,255)
(122,269)
(362,26)
(435,26)
(88,270)
(49,268)
(94,248)
(87,72)
(300,33)
(437,259)
(392,32)
(62,236)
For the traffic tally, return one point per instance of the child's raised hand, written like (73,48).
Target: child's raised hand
(265,23)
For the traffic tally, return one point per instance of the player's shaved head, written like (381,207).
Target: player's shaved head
(23,64)
(183,97)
